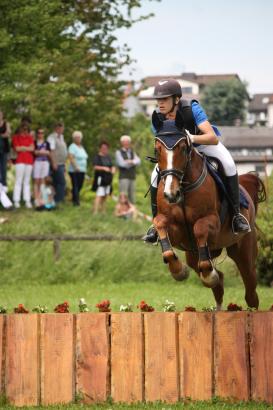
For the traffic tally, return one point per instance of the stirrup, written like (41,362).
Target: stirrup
(236,232)
(151,236)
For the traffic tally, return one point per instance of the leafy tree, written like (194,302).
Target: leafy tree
(225,102)
(59,60)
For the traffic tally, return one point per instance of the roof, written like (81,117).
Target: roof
(246,137)
(201,79)
(259,102)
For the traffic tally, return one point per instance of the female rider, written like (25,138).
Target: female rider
(168,94)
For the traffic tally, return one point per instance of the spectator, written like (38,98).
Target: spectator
(47,194)
(78,165)
(127,161)
(41,164)
(124,209)
(23,144)
(104,171)
(58,157)
(4,149)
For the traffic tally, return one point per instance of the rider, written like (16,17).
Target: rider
(204,137)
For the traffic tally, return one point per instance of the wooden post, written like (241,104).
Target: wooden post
(231,356)
(161,357)
(57,356)
(261,356)
(21,378)
(56,249)
(127,361)
(196,355)
(92,357)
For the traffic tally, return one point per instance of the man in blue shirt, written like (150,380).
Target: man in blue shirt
(204,137)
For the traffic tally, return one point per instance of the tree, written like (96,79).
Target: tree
(59,61)
(225,102)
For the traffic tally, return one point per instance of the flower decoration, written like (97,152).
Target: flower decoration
(233,307)
(62,308)
(3,309)
(20,309)
(251,309)
(144,307)
(40,309)
(169,306)
(104,306)
(126,308)
(190,309)
(83,306)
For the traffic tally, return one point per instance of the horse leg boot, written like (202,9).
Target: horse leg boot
(169,257)
(202,229)
(152,235)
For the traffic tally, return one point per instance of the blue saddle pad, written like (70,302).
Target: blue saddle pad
(218,180)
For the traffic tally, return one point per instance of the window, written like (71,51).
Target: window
(186,90)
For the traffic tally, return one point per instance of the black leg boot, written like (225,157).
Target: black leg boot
(151,235)
(239,222)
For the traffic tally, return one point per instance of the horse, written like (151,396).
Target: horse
(188,218)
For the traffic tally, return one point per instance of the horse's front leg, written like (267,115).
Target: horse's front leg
(177,269)
(204,228)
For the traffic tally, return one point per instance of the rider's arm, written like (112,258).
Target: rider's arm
(208,136)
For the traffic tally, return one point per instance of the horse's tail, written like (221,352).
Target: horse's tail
(255,187)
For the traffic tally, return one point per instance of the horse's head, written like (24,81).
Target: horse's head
(173,150)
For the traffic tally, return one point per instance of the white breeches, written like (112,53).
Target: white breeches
(218,151)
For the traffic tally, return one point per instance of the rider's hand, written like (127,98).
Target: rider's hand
(190,136)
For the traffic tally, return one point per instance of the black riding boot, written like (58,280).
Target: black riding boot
(239,222)
(152,235)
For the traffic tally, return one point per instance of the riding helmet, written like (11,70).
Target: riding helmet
(167,88)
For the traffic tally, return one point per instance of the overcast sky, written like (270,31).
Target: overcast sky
(205,37)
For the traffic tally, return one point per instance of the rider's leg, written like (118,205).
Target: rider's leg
(151,235)
(219,151)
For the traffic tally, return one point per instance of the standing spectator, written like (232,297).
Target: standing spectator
(58,154)
(78,165)
(41,164)
(4,149)
(104,171)
(127,161)
(23,144)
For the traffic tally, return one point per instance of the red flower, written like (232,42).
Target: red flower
(144,307)
(62,308)
(20,309)
(233,307)
(104,306)
(190,309)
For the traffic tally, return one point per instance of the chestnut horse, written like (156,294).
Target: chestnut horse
(188,218)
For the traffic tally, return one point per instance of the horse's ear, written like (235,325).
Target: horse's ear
(179,122)
(156,120)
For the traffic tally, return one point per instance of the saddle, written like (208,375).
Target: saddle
(215,169)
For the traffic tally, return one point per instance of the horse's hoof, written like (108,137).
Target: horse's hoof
(211,280)
(183,275)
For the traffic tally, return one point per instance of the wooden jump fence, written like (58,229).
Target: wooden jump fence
(134,357)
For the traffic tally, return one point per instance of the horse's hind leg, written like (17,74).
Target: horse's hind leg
(244,255)
(218,290)
(177,269)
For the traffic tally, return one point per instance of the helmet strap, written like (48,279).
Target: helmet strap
(174,104)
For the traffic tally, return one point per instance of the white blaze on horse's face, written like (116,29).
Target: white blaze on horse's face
(169,178)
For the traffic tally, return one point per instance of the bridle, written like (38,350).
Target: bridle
(184,186)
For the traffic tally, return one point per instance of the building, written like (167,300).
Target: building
(192,86)
(251,148)
(260,110)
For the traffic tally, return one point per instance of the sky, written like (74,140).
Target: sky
(205,37)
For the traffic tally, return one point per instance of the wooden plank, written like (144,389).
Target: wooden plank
(2,352)
(231,355)
(196,355)
(127,357)
(161,357)
(57,358)
(21,375)
(261,356)
(92,357)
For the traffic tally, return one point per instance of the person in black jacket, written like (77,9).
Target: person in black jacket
(104,171)
(4,149)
